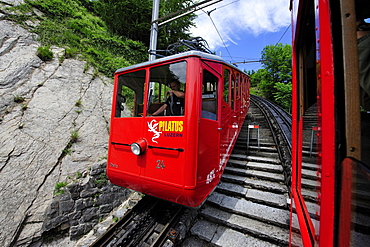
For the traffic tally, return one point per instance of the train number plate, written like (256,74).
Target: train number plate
(160,164)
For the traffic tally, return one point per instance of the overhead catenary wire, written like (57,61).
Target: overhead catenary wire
(284,33)
(222,6)
(209,14)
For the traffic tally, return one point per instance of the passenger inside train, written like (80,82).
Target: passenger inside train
(175,101)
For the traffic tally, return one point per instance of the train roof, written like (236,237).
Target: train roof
(176,56)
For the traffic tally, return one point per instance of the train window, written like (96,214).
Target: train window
(237,85)
(130,94)
(167,90)
(226,85)
(209,95)
(232,91)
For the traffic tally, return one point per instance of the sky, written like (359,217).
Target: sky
(245,27)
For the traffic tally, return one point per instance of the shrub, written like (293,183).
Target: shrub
(59,188)
(44,53)
(74,136)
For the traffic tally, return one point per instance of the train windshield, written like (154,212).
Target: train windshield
(130,94)
(166,95)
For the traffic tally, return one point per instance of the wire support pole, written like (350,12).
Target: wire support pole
(154,30)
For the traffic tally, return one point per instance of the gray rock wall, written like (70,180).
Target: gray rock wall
(38,112)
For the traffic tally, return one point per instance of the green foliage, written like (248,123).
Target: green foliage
(273,81)
(70,52)
(24,107)
(59,188)
(131,19)
(18,98)
(44,53)
(78,103)
(283,95)
(103,179)
(74,25)
(74,136)
(107,34)
(67,151)
(177,29)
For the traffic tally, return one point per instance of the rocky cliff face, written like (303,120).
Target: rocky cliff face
(54,119)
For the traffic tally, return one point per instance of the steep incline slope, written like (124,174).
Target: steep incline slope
(42,105)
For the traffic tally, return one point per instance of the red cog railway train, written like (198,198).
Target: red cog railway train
(174,143)
(331,62)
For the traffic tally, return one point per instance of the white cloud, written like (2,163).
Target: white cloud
(234,19)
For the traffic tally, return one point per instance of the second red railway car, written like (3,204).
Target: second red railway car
(329,91)
(178,155)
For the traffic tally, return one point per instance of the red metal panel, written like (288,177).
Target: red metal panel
(327,115)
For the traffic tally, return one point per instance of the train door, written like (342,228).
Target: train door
(165,131)
(226,113)
(307,185)
(127,125)
(209,133)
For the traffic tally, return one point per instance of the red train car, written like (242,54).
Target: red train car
(174,123)
(330,139)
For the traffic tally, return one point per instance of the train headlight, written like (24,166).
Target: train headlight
(139,147)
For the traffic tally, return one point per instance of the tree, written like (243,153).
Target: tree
(127,18)
(275,77)
(175,30)
(132,19)
(283,95)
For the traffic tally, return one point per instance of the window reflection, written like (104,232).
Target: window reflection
(130,94)
(166,96)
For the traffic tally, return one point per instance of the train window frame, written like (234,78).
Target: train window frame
(209,96)
(232,91)
(130,94)
(306,97)
(226,91)
(161,86)
(237,90)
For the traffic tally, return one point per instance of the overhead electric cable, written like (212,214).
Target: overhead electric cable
(222,6)
(284,33)
(209,14)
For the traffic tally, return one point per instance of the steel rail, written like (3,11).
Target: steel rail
(279,121)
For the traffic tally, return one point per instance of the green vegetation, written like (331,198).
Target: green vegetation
(102,158)
(74,136)
(44,53)
(131,19)
(59,188)
(107,34)
(67,151)
(274,81)
(24,107)
(18,99)
(103,179)
(78,103)
(68,24)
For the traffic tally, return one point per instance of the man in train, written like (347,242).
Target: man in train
(175,101)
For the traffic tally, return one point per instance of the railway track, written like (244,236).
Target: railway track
(248,208)
(250,205)
(149,223)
